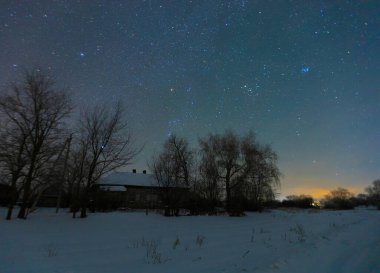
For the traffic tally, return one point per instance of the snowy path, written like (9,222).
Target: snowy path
(277,241)
(354,247)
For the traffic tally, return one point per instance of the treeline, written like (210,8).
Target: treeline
(342,198)
(42,147)
(339,198)
(225,172)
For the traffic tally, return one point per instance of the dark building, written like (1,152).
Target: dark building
(127,190)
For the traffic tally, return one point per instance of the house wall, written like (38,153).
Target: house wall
(142,197)
(134,197)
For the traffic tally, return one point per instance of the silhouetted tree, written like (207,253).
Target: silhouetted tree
(359,200)
(374,193)
(240,168)
(104,144)
(13,160)
(51,176)
(338,199)
(171,169)
(298,201)
(260,176)
(34,111)
(208,187)
(225,160)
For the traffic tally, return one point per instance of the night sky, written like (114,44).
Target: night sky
(304,75)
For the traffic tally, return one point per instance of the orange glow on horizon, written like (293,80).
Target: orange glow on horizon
(317,192)
(317,187)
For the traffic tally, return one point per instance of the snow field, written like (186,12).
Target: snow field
(118,242)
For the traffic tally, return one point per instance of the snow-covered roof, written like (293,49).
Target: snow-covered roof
(113,188)
(129,179)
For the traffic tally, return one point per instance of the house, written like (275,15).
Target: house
(127,190)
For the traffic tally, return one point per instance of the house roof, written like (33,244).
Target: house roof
(112,188)
(129,179)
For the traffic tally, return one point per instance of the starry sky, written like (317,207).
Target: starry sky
(303,75)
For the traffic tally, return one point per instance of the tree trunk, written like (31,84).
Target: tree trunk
(68,141)
(22,212)
(84,203)
(11,206)
(25,200)
(9,213)
(28,184)
(33,206)
(12,202)
(83,212)
(58,205)
(228,191)
(166,211)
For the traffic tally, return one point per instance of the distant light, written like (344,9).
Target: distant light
(82,54)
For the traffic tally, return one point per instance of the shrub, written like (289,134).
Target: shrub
(338,199)
(298,201)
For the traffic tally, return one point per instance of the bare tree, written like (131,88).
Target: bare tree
(51,176)
(209,186)
(373,193)
(338,199)
(13,159)
(261,176)
(171,169)
(76,175)
(103,145)
(223,151)
(244,169)
(64,173)
(34,111)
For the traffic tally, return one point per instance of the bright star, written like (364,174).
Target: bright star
(305,69)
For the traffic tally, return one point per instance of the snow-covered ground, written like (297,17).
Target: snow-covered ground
(277,241)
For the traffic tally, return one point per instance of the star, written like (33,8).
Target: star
(199,67)
(305,69)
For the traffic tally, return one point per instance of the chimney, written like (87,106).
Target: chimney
(144,171)
(134,170)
